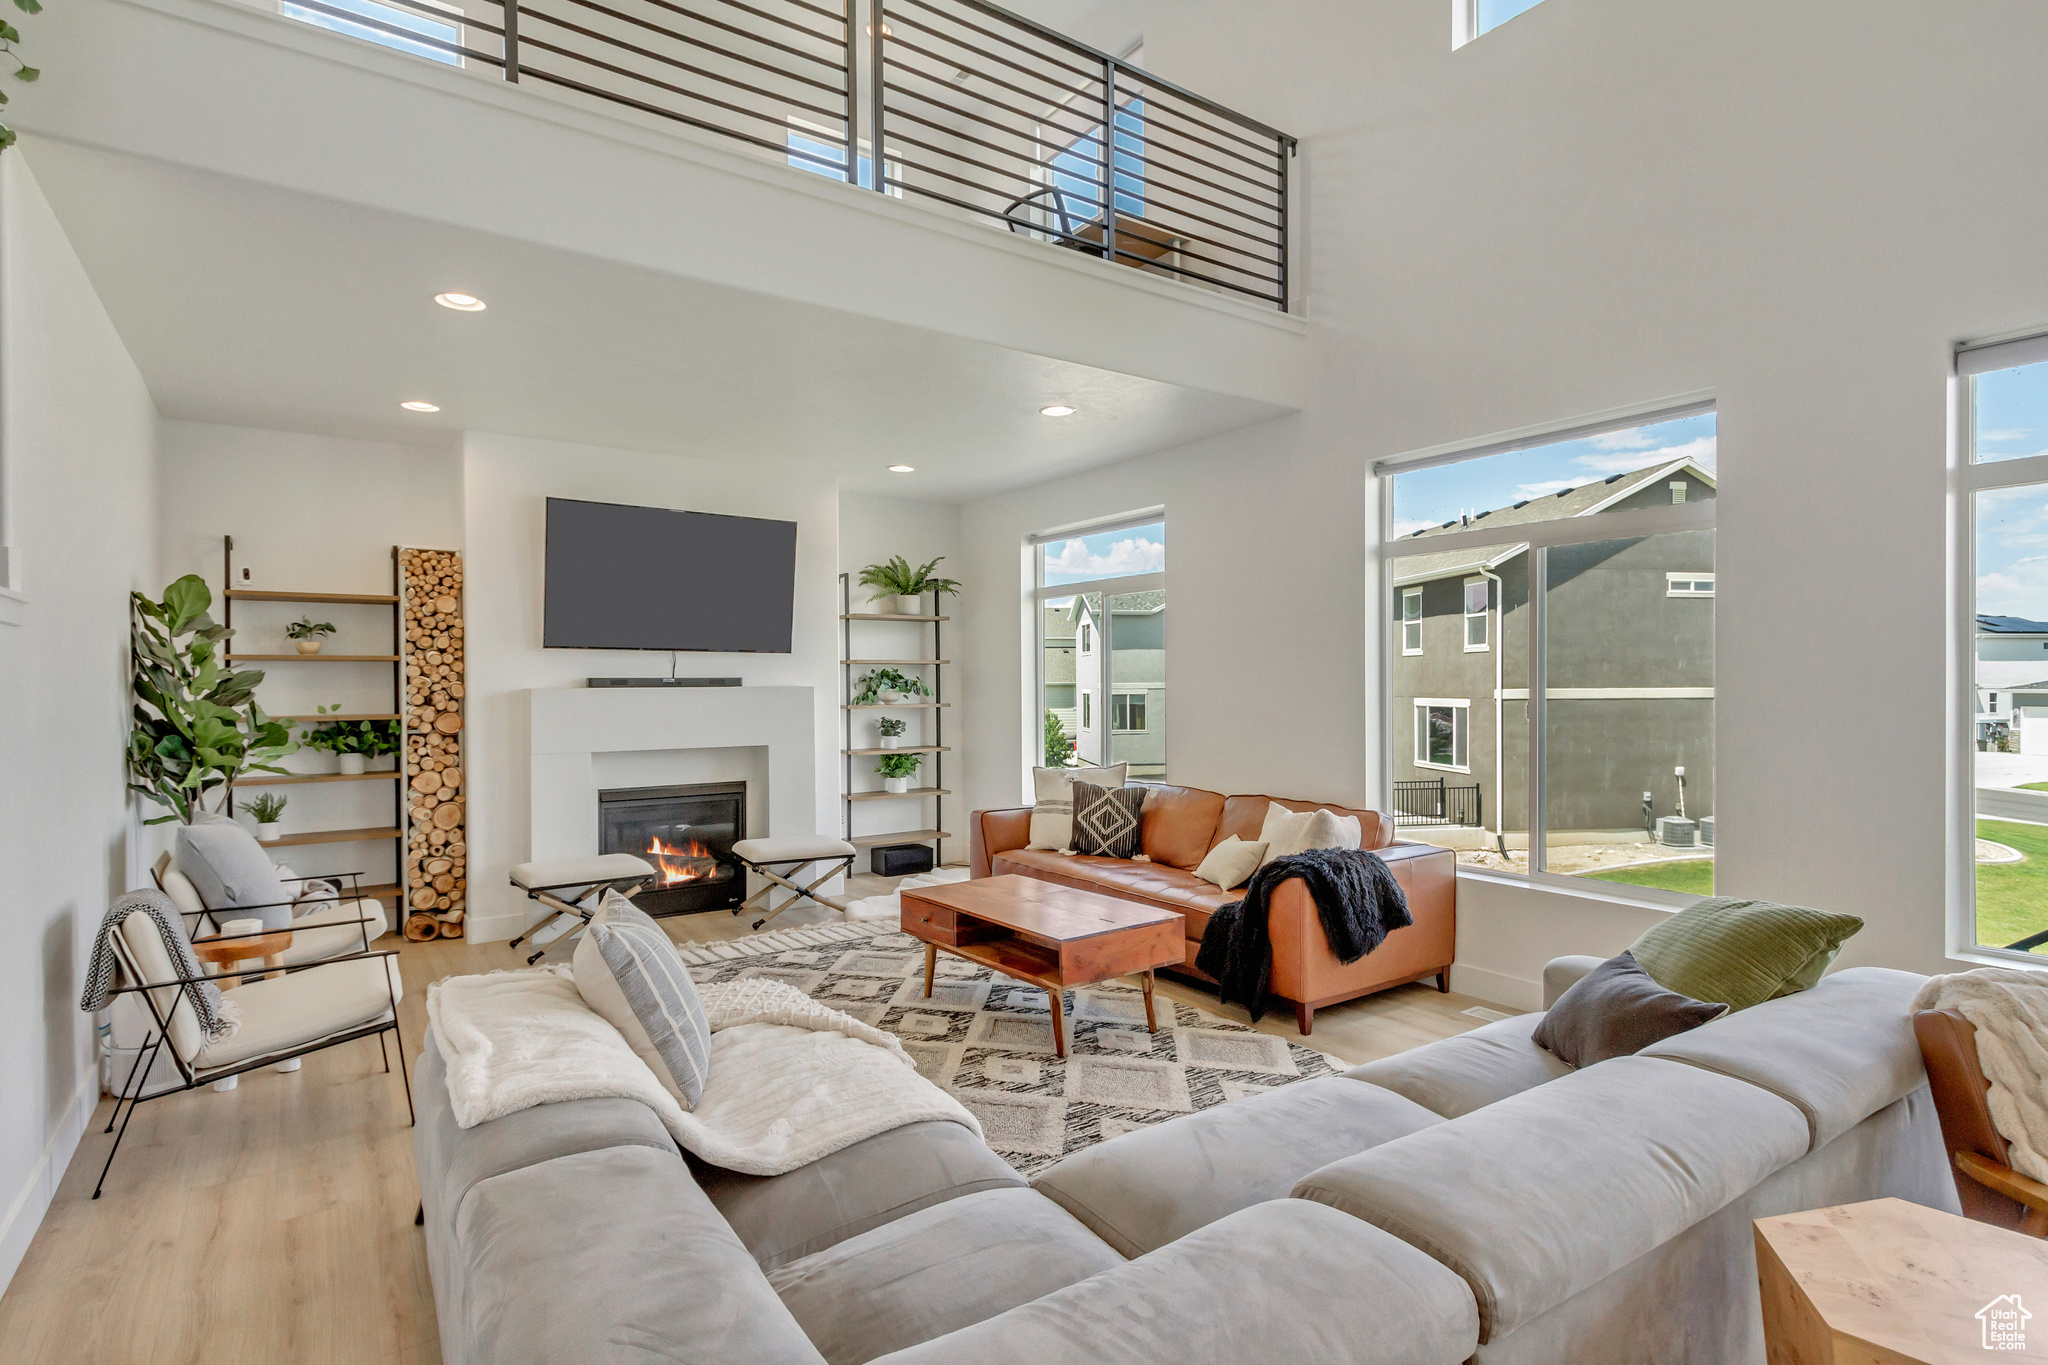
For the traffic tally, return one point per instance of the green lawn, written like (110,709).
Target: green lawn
(1693,877)
(2033,787)
(2012,898)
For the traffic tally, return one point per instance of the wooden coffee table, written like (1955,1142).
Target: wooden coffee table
(1055,937)
(225,953)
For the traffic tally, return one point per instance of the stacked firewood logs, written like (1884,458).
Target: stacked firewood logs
(436,847)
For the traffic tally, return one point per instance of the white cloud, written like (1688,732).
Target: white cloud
(1537,490)
(2008,434)
(1632,439)
(1404,527)
(1701,451)
(1076,562)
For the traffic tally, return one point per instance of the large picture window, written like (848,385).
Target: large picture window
(1101,613)
(1575,573)
(2000,849)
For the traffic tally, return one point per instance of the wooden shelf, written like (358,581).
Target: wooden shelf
(896,706)
(898,796)
(886,616)
(332,836)
(379,891)
(358,715)
(896,661)
(314,658)
(905,749)
(337,598)
(909,836)
(296,778)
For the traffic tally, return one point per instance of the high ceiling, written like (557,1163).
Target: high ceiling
(251,305)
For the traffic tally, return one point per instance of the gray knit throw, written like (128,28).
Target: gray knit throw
(218,1018)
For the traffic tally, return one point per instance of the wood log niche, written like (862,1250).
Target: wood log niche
(436,868)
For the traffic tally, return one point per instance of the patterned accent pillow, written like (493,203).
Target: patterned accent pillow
(628,970)
(1106,820)
(1052,814)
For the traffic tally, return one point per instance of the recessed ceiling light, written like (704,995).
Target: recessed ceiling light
(417,406)
(902,469)
(1056,410)
(461,303)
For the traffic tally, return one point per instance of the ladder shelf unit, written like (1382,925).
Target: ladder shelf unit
(927,714)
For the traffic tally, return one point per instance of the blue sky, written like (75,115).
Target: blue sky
(1429,497)
(2012,523)
(1109,554)
(1495,12)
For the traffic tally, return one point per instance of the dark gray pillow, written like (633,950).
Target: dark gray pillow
(231,871)
(1106,820)
(1616,1010)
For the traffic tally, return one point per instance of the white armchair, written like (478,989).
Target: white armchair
(348,924)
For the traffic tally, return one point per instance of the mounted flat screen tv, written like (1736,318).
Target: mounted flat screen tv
(623,577)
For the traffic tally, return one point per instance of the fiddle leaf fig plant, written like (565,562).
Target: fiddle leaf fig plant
(196,724)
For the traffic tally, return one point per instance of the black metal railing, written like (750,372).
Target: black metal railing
(1436,803)
(966,105)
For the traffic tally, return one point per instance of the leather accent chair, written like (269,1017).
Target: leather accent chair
(1178,827)
(1991,1190)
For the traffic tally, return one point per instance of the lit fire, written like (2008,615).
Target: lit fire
(688,862)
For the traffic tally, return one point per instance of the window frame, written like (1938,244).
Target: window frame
(1033,719)
(1411,595)
(1967,477)
(1141,697)
(1673,579)
(459,50)
(1482,616)
(1657,519)
(1461,732)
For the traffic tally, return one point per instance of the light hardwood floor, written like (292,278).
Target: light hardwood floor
(272,1225)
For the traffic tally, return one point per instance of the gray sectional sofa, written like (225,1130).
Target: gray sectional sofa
(1471,1199)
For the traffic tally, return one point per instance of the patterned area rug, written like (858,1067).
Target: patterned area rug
(988,1039)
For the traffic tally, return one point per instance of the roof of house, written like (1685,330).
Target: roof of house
(1127,603)
(1059,623)
(2010,625)
(2016,687)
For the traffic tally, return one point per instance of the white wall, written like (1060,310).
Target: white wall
(506,482)
(1799,207)
(78,448)
(870,530)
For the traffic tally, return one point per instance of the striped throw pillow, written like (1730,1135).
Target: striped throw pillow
(630,973)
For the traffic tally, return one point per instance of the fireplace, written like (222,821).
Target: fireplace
(687,833)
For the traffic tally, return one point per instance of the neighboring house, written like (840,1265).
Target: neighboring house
(2012,660)
(1120,680)
(1629,653)
(1059,668)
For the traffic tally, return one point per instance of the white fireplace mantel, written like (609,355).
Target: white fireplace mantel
(567,727)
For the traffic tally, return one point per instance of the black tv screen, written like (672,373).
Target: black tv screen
(648,578)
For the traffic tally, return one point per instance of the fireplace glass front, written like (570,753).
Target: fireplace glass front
(687,834)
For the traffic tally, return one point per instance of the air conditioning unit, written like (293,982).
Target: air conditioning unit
(1673,832)
(1706,831)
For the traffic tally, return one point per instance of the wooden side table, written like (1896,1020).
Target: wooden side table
(1894,1283)
(225,953)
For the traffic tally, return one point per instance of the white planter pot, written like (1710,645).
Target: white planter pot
(911,605)
(267,832)
(889,698)
(308,646)
(889,741)
(895,784)
(353,764)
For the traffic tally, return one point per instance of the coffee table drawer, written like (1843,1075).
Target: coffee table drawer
(932,923)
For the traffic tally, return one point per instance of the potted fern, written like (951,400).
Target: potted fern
(907,585)
(308,635)
(897,770)
(266,808)
(890,729)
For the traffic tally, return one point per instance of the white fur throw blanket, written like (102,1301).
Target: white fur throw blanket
(791,1080)
(2010,1009)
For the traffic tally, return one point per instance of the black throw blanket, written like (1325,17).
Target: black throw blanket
(1356,896)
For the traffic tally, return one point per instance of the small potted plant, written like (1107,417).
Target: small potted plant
(888,687)
(907,585)
(897,770)
(353,743)
(266,808)
(308,633)
(891,729)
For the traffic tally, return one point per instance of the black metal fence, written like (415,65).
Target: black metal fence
(957,102)
(1436,803)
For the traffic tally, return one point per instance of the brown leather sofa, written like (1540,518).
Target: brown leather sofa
(1180,825)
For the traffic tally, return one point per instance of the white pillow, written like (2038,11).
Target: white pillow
(628,970)
(1231,862)
(1052,814)
(1287,832)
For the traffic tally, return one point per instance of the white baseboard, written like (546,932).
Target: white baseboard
(493,928)
(25,1212)
(1497,988)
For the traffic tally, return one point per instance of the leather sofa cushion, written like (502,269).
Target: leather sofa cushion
(1280,1281)
(1179,824)
(1840,1051)
(784,1218)
(1454,1076)
(1546,1193)
(1146,1188)
(935,1271)
(653,1273)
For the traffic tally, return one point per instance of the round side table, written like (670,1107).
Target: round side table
(226,953)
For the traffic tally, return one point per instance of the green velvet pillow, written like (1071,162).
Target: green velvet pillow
(1742,953)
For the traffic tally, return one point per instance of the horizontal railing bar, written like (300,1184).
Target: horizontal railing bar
(426,11)
(570,83)
(891,64)
(1096,54)
(1194,217)
(907,46)
(1153,180)
(940,127)
(779,119)
(837,63)
(909,22)
(1269,190)
(1218,148)
(653,27)
(1092,247)
(1023,179)
(969,137)
(1053,148)
(839,17)
(409,35)
(1139,90)
(838,40)
(1095,75)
